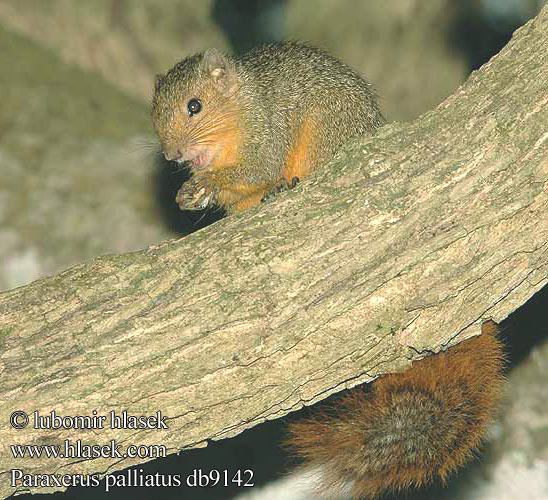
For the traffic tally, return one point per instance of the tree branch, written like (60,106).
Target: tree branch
(399,247)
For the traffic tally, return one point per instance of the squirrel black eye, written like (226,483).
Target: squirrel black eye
(194,106)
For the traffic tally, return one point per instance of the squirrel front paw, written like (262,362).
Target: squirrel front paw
(193,195)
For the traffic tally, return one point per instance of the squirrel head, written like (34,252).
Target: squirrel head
(195,107)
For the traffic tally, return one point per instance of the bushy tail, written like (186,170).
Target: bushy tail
(407,429)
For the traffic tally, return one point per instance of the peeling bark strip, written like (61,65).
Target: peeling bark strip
(401,246)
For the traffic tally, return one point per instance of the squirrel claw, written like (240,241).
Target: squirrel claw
(282,185)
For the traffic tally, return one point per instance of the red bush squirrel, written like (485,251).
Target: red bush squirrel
(253,125)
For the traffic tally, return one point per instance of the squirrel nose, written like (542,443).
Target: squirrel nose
(172,155)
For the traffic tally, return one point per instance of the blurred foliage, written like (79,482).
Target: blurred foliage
(70,185)
(127,42)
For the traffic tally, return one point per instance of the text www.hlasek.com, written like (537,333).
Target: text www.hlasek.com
(86,451)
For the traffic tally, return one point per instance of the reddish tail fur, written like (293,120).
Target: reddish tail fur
(409,428)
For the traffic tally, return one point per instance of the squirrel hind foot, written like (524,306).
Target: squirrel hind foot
(410,428)
(282,185)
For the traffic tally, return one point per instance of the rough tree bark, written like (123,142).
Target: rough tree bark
(400,247)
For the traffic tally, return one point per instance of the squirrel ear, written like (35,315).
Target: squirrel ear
(158,79)
(221,70)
